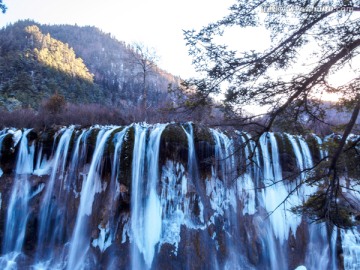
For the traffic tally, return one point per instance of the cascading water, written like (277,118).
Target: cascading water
(18,210)
(221,189)
(115,197)
(193,170)
(272,197)
(91,185)
(245,184)
(351,249)
(146,208)
(108,231)
(50,217)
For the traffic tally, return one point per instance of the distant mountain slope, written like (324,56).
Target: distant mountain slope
(33,66)
(108,59)
(82,63)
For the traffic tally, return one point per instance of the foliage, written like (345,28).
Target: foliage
(324,36)
(109,61)
(83,64)
(57,55)
(55,104)
(2,7)
(34,66)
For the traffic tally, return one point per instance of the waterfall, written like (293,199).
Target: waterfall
(78,160)
(91,185)
(192,160)
(273,196)
(108,228)
(137,210)
(164,196)
(222,189)
(18,210)
(275,192)
(249,180)
(48,232)
(146,208)
(75,159)
(351,249)
(114,184)
(193,172)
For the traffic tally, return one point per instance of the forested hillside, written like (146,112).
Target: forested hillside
(83,64)
(110,62)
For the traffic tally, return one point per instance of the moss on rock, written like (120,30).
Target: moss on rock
(126,158)
(173,145)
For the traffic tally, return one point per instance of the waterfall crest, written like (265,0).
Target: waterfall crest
(164,196)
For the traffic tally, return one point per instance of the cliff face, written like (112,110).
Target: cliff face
(165,196)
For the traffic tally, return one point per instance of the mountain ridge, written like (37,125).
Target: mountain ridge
(37,61)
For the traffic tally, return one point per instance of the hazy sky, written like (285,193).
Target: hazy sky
(156,23)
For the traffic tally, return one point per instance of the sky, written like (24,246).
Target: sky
(155,23)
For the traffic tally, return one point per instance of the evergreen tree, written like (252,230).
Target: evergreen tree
(2,7)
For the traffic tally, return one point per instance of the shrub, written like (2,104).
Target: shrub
(55,104)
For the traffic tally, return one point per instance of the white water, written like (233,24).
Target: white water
(78,161)
(193,177)
(165,203)
(48,211)
(114,186)
(245,182)
(108,232)
(146,209)
(273,197)
(17,210)
(91,185)
(192,160)
(137,210)
(351,249)
(75,157)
